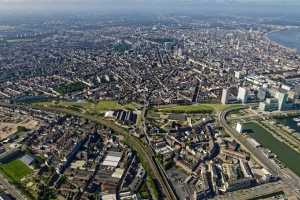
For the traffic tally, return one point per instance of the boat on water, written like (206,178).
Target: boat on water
(298,124)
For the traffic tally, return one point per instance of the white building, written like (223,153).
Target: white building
(282,100)
(242,94)
(239,128)
(239,74)
(225,96)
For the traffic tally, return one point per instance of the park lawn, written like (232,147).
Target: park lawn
(15,170)
(196,108)
(131,106)
(105,105)
(88,106)
(61,104)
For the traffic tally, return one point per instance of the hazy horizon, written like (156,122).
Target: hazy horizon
(266,8)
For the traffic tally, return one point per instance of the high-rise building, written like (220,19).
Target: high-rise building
(271,104)
(297,91)
(282,100)
(239,74)
(261,94)
(225,96)
(242,94)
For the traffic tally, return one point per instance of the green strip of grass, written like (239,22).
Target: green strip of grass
(88,106)
(107,105)
(195,108)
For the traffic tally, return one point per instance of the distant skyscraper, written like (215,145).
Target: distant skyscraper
(262,93)
(242,94)
(225,96)
(297,91)
(282,100)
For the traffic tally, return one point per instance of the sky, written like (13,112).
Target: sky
(162,6)
(132,2)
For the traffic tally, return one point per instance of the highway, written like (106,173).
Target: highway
(291,181)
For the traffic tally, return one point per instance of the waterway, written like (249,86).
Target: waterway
(289,38)
(284,153)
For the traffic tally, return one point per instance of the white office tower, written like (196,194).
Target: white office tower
(242,95)
(239,74)
(282,100)
(225,96)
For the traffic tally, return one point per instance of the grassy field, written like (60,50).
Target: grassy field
(15,170)
(107,105)
(195,108)
(88,106)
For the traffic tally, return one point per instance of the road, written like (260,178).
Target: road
(291,181)
(143,129)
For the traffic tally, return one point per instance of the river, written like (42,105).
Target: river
(285,154)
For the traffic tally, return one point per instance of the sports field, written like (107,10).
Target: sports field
(15,170)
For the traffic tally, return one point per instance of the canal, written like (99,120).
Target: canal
(284,153)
